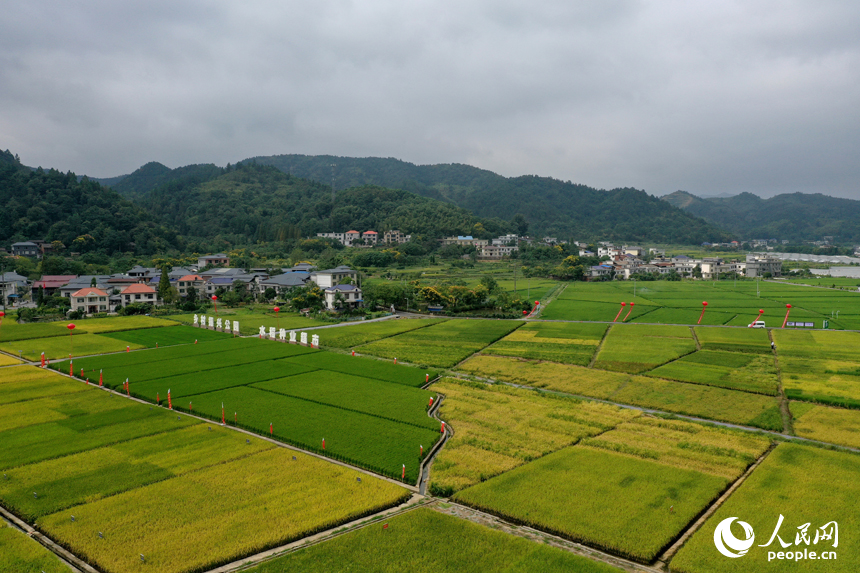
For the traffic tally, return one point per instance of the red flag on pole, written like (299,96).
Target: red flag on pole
(43,360)
(101,377)
(271,429)
(223,421)
(403,475)
(169,401)
(626,316)
(620,310)
(787,310)
(704,306)
(323,443)
(71,368)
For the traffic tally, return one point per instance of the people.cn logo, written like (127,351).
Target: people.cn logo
(728,544)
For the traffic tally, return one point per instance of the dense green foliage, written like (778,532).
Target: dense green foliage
(790,216)
(82,215)
(541,204)
(259,203)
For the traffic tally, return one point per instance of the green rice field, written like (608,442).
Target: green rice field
(803,484)
(356,334)
(427,541)
(733,370)
(20,553)
(637,348)
(442,345)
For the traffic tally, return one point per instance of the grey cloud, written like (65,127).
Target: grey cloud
(709,97)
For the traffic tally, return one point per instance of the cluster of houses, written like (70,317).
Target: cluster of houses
(367,238)
(623,262)
(93,294)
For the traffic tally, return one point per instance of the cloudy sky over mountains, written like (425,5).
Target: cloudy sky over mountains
(710,97)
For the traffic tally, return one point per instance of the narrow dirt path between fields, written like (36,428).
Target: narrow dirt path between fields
(695,338)
(784,409)
(427,462)
(663,560)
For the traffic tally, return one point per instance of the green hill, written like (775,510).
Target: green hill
(253,202)
(83,215)
(796,217)
(548,205)
(154,174)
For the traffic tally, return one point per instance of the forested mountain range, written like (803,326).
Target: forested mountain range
(252,202)
(80,213)
(549,206)
(796,217)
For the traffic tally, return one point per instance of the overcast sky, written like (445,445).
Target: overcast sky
(710,97)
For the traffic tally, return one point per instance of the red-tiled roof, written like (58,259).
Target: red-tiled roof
(90,291)
(192,278)
(352,232)
(138,289)
(53,281)
(371,233)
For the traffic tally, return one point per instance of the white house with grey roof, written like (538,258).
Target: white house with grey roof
(342,296)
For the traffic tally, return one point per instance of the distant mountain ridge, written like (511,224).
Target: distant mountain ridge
(795,217)
(550,206)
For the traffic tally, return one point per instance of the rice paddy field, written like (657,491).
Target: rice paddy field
(20,553)
(729,303)
(823,423)
(637,348)
(356,334)
(375,416)
(668,395)
(804,484)
(497,428)
(116,465)
(820,366)
(570,343)
(733,370)
(629,491)
(427,541)
(139,478)
(442,345)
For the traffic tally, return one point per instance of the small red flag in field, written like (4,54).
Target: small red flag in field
(431,401)
(43,360)
(128,349)
(443,427)
(82,372)
(223,421)
(169,401)
(403,475)
(271,429)
(71,368)
(395,360)
(323,443)
(385,526)
(101,377)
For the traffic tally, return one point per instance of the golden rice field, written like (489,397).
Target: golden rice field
(690,399)
(497,428)
(218,514)
(20,553)
(827,424)
(629,491)
(684,445)
(8,360)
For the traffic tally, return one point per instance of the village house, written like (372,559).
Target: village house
(91,300)
(139,294)
(342,296)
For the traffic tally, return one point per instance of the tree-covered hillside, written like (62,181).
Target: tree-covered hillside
(83,215)
(154,174)
(548,205)
(795,217)
(252,203)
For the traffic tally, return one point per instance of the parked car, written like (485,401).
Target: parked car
(757,324)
